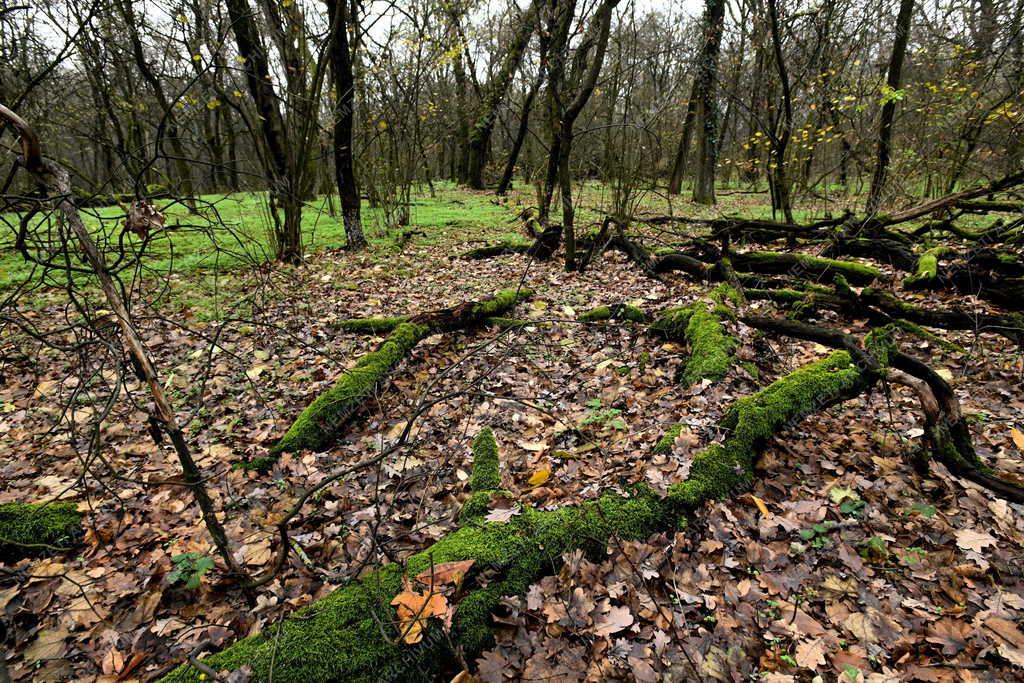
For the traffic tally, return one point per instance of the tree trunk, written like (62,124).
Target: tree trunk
(899,49)
(675,181)
(344,115)
(707,102)
(781,179)
(480,132)
(517,144)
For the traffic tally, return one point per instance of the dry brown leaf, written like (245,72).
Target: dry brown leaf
(613,621)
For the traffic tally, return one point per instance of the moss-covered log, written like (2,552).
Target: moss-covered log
(319,424)
(802,265)
(369,325)
(711,347)
(927,268)
(721,470)
(493,250)
(351,635)
(32,529)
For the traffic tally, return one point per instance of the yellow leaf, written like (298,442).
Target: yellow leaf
(760,505)
(414,608)
(540,476)
(1018,438)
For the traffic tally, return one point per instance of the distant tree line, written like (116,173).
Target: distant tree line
(896,100)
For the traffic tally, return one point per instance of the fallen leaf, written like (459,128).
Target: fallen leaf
(969,539)
(613,621)
(1018,438)
(49,644)
(414,608)
(760,505)
(447,572)
(810,654)
(540,476)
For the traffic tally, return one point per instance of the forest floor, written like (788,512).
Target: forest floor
(841,561)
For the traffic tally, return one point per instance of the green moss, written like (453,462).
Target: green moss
(614,312)
(486,466)
(780,295)
(880,342)
(722,469)
(500,303)
(672,322)
(919,331)
(664,445)
(725,293)
(368,325)
(29,529)
(338,639)
(927,266)
(772,261)
(711,348)
(317,426)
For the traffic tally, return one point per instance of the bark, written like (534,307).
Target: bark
(675,182)
(781,182)
(281,178)
(169,124)
(893,81)
(517,144)
(344,116)
(707,102)
(562,117)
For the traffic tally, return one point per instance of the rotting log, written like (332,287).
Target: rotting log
(319,425)
(368,325)
(492,250)
(33,529)
(949,440)
(802,265)
(351,634)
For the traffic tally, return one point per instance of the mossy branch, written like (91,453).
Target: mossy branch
(319,425)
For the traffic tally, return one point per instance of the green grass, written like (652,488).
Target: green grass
(206,257)
(235,230)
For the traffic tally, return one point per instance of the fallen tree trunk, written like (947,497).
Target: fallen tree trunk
(351,634)
(319,425)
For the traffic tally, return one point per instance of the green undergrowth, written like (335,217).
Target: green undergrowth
(31,529)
